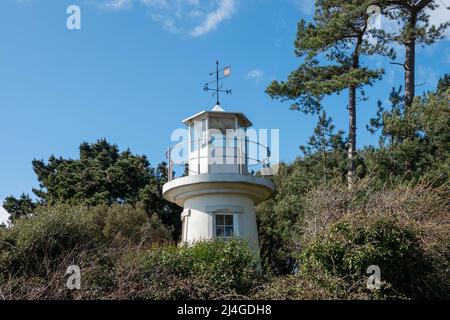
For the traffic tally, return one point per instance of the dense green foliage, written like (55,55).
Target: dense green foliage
(101,175)
(59,230)
(122,254)
(415,141)
(332,48)
(317,237)
(415,27)
(225,266)
(346,249)
(337,234)
(421,151)
(19,207)
(339,33)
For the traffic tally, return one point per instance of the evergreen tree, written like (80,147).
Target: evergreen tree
(420,140)
(101,175)
(340,34)
(324,141)
(19,207)
(443,84)
(389,136)
(415,29)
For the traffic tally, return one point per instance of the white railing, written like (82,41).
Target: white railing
(239,156)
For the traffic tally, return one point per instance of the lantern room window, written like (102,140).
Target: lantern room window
(197,133)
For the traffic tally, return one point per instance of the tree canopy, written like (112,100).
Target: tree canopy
(101,175)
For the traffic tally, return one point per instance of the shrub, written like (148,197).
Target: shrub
(123,254)
(314,286)
(346,250)
(35,245)
(225,267)
(404,230)
(32,244)
(119,223)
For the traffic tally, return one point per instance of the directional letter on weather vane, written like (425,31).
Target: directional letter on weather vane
(220,74)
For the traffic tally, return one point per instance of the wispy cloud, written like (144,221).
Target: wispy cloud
(193,17)
(213,19)
(255,75)
(117,4)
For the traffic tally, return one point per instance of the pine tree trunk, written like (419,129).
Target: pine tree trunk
(351,136)
(410,61)
(351,152)
(324,153)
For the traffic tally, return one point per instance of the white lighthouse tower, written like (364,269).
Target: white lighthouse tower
(217,191)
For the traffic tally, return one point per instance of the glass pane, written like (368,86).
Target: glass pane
(191,129)
(229,232)
(221,123)
(203,132)
(219,231)
(229,220)
(220,220)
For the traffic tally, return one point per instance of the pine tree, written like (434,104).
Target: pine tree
(101,176)
(415,29)
(324,141)
(420,140)
(384,116)
(340,34)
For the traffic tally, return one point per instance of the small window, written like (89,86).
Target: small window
(224,226)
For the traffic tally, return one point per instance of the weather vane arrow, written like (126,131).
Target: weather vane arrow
(220,74)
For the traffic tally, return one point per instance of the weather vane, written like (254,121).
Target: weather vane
(220,74)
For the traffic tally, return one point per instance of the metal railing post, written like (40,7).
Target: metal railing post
(169,173)
(246,154)
(240,155)
(198,156)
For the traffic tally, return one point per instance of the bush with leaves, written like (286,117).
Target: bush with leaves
(101,176)
(229,267)
(404,230)
(34,245)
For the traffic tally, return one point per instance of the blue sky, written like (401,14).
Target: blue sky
(137,67)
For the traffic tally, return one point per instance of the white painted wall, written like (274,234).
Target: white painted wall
(200,221)
(4,215)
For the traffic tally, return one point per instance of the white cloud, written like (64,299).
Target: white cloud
(117,4)
(213,19)
(195,17)
(255,75)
